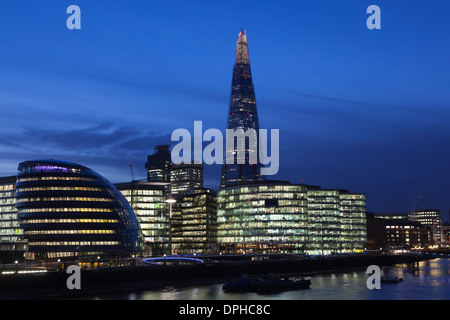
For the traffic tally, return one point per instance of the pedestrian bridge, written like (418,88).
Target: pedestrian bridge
(171,260)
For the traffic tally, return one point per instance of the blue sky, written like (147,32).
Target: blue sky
(359,109)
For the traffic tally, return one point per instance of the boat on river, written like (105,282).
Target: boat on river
(276,285)
(391,279)
(243,284)
(267,285)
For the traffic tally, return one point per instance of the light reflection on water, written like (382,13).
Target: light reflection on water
(431,280)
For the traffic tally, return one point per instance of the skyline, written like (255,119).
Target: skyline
(357,109)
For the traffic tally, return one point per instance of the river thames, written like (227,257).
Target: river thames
(427,280)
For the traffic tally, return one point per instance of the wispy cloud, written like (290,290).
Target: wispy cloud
(100,144)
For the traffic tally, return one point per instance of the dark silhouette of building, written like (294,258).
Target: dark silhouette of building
(181,178)
(158,165)
(242,115)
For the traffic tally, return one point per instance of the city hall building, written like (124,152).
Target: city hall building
(66,209)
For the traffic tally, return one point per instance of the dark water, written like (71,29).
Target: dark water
(429,280)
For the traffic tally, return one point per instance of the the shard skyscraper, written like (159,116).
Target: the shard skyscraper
(242,115)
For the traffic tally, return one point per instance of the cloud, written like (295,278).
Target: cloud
(104,145)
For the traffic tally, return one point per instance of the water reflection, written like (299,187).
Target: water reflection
(427,280)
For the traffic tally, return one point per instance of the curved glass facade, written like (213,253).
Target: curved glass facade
(67,209)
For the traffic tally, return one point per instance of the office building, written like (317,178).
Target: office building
(158,165)
(336,221)
(195,223)
(66,209)
(148,201)
(182,178)
(262,216)
(324,221)
(354,225)
(430,218)
(12,243)
(185,178)
(406,235)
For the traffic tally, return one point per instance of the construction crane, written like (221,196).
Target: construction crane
(423,203)
(132,173)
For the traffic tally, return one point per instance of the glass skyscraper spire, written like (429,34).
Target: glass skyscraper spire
(242,115)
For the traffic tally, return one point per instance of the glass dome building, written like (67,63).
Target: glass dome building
(66,209)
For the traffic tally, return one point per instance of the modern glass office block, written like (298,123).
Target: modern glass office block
(12,242)
(148,201)
(195,223)
(263,216)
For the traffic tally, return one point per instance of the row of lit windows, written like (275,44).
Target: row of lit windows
(142,192)
(66,210)
(10,231)
(6,187)
(8,216)
(55,178)
(262,239)
(262,203)
(70,232)
(54,188)
(145,199)
(144,205)
(65,199)
(9,223)
(7,201)
(32,221)
(253,196)
(73,243)
(254,189)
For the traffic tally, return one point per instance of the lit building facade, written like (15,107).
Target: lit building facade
(336,221)
(12,243)
(264,216)
(195,223)
(324,221)
(354,221)
(66,209)
(185,178)
(148,201)
(406,235)
(392,216)
(242,115)
(431,218)
(277,216)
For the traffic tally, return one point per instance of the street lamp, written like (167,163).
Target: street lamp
(170,201)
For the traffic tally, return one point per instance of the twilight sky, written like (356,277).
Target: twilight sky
(358,109)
